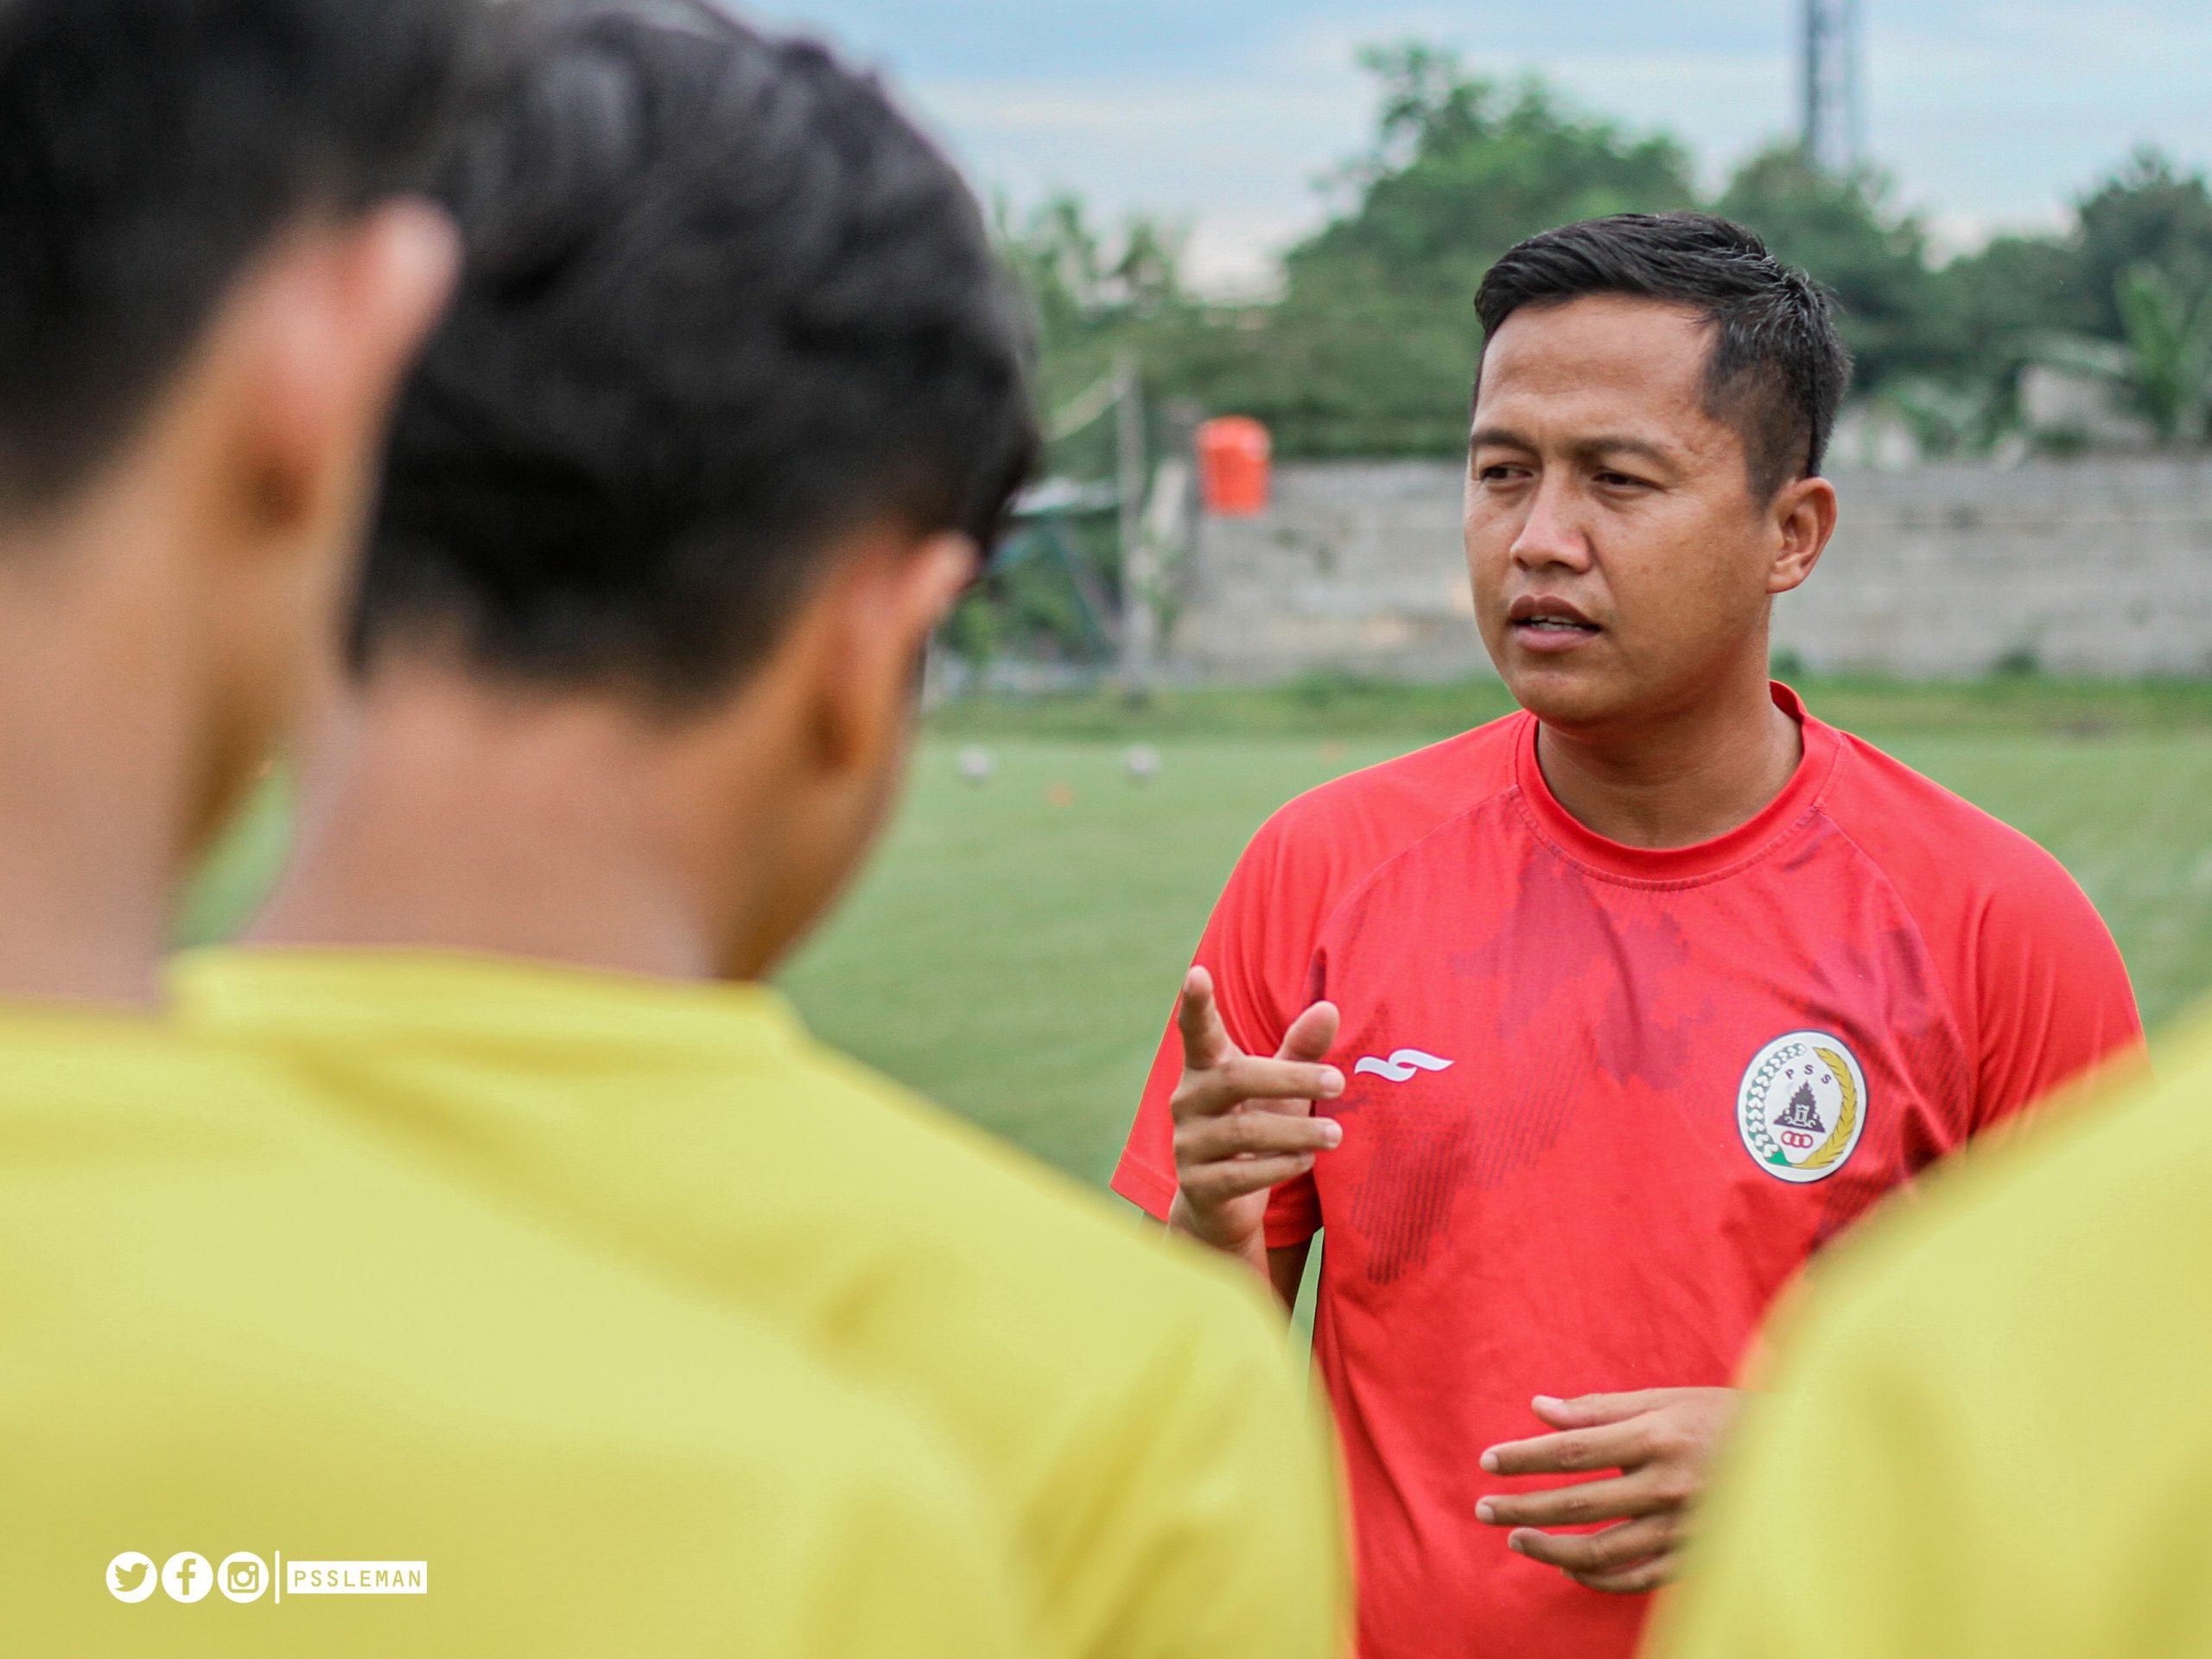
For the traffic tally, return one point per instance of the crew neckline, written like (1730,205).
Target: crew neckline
(1750,841)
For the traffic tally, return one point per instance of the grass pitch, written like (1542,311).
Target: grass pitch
(1015,950)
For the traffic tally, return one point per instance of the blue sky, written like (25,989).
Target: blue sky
(1222,114)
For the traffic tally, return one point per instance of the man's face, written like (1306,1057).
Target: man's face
(1621,565)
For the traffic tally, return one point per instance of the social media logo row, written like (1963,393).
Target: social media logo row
(186,1577)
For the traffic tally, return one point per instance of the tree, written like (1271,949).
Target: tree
(1464,170)
(1992,312)
(1372,349)
(2162,367)
(1096,295)
(1844,230)
(2108,298)
(2145,215)
(1093,292)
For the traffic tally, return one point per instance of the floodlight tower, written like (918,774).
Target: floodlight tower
(1834,127)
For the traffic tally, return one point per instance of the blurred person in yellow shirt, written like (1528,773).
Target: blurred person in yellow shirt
(248,1359)
(1989,1435)
(729,407)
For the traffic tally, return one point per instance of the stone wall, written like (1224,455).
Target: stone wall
(2090,567)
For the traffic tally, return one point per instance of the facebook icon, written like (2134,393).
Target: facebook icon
(186,1577)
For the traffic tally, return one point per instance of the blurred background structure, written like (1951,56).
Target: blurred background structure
(1834,133)
(2025,463)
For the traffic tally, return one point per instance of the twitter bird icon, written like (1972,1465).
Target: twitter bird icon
(131,1576)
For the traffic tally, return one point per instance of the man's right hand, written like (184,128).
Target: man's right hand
(1243,1124)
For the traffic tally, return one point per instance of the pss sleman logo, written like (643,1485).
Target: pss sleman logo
(1803,1106)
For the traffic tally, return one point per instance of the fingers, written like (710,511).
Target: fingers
(1252,1134)
(1206,1039)
(1640,1579)
(1611,1445)
(1622,1498)
(1599,1554)
(1312,1035)
(1589,1410)
(1219,1076)
(1215,1090)
(1210,1185)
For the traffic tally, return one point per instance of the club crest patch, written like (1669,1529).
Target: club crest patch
(1803,1106)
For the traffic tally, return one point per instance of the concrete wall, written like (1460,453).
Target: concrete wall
(1355,565)
(2093,566)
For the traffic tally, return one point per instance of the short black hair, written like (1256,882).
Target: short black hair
(1779,368)
(149,150)
(722,303)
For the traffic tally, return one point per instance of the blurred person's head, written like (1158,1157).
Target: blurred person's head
(729,408)
(211,273)
(1654,401)
(211,276)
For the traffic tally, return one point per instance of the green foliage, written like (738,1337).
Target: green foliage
(1464,170)
(1097,294)
(2161,368)
(2118,297)
(1093,291)
(1370,347)
(1847,231)
(2145,215)
(2169,335)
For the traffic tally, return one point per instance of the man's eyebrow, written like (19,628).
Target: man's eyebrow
(1614,444)
(1498,435)
(1607,443)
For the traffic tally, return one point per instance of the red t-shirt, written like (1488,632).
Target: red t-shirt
(1603,1102)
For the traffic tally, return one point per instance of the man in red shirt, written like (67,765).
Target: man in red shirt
(1617,1009)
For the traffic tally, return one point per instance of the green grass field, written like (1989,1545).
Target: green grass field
(1017,958)
(1014,949)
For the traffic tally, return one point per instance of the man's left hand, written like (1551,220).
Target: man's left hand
(1651,1452)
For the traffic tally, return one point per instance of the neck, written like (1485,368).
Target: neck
(98,769)
(1681,776)
(439,815)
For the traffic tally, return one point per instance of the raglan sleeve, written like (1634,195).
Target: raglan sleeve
(2052,997)
(1258,949)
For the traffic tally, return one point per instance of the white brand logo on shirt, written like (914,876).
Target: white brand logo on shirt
(1802,1106)
(1400,1066)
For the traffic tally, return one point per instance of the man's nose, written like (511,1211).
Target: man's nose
(1553,533)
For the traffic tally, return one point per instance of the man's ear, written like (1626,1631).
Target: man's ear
(1804,518)
(328,324)
(889,598)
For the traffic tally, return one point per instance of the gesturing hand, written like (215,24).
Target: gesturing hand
(1652,1452)
(1243,1124)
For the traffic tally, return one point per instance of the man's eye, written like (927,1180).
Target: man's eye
(1499,473)
(1619,480)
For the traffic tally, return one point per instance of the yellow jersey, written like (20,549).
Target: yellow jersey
(1129,1399)
(1989,1435)
(265,1388)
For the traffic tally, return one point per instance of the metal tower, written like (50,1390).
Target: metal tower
(1834,127)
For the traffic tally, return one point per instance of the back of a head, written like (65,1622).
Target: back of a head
(1779,367)
(723,303)
(149,150)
